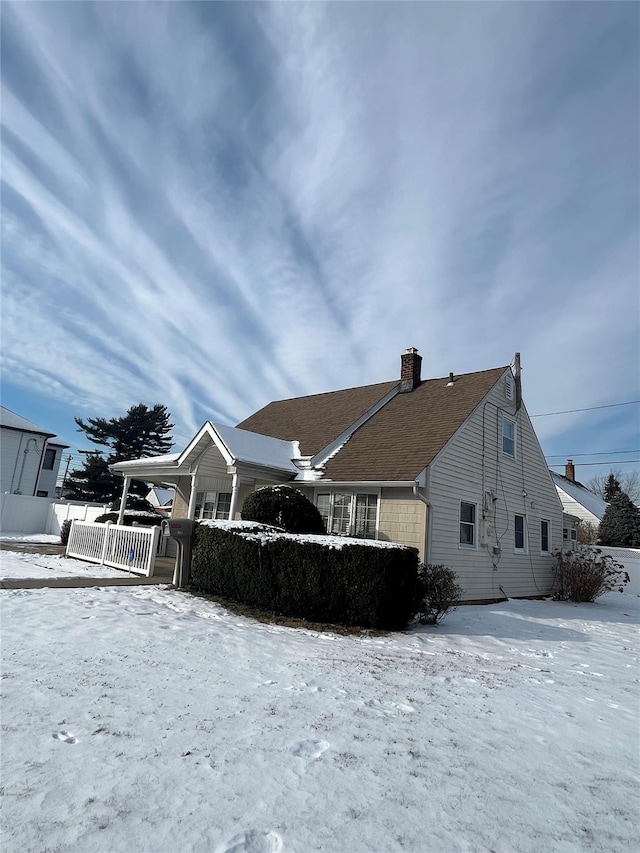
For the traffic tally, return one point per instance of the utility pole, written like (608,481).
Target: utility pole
(64,476)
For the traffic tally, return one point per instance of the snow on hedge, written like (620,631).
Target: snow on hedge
(268,533)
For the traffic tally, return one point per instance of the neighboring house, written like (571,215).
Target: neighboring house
(161,499)
(29,456)
(578,500)
(450,466)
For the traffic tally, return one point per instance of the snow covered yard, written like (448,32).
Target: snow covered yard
(17,566)
(144,719)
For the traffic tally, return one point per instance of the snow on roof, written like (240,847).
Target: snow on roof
(268,533)
(165,459)
(10,420)
(581,494)
(258,449)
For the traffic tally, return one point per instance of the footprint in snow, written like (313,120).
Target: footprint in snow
(65,737)
(252,841)
(309,749)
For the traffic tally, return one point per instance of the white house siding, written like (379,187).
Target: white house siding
(572,507)
(48,476)
(14,477)
(522,485)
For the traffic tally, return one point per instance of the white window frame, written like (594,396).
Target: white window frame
(525,534)
(512,424)
(548,549)
(570,534)
(468,545)
(352,503)
(208,497)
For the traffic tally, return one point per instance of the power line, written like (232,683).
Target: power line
(602,453)
(630,461)
(588,409)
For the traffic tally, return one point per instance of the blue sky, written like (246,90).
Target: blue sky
(214,205)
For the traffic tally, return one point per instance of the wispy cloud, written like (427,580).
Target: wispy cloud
(216,205)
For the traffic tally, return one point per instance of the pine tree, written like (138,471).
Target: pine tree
(611,488)
(142,432)
(620,525)
(93,483)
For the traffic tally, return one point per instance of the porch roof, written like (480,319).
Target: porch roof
(237,447)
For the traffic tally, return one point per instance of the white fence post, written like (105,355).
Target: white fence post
(105,543)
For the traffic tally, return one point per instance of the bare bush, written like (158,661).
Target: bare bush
(437,593)
(586,574)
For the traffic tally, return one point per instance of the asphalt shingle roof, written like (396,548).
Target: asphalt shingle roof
(396,443)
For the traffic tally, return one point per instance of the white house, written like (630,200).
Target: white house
(450,466)
(29,456)
(577,499)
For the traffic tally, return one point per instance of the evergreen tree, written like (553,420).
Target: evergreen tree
(611,488)
(140,433)
(620,525)
(93,483)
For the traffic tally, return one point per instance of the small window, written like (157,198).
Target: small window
(323,504)
(467,524)
(341,514)
(508,437)
(48,461)
(366,511)
(544,536)
(42,494)
(570,533)
(520,533)
(223,507)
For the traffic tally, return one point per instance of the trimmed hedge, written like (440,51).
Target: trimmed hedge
(356,584)
(144,520)
(284,506)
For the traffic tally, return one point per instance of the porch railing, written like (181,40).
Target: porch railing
(133,549)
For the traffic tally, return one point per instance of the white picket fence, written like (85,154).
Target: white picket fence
(131,548)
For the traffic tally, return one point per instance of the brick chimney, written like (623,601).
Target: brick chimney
(410,366)
(570,471)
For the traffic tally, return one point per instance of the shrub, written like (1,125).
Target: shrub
(585,574)
(353,584)
(146,519)
(283,506)
(65,530)
(437,593)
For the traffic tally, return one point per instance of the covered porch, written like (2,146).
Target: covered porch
(215,472)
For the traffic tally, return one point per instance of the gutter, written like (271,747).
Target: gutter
(429,526)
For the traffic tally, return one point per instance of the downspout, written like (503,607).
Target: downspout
(235,490)
(429,525)
(123,499)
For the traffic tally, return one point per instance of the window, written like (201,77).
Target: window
(48,461)
(212,505)
(223,507)
(508,437)
(366,511)
(520,533)
(467,524)
(346,513)
(570,533)
(544,536)
(42,494)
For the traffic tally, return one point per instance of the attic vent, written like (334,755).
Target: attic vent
(510,389)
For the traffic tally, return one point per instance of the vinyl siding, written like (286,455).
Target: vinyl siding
(13,476)
(522,485)
(402,518)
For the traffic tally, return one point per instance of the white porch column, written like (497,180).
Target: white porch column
(123,499)
(192,497)
(235,490)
